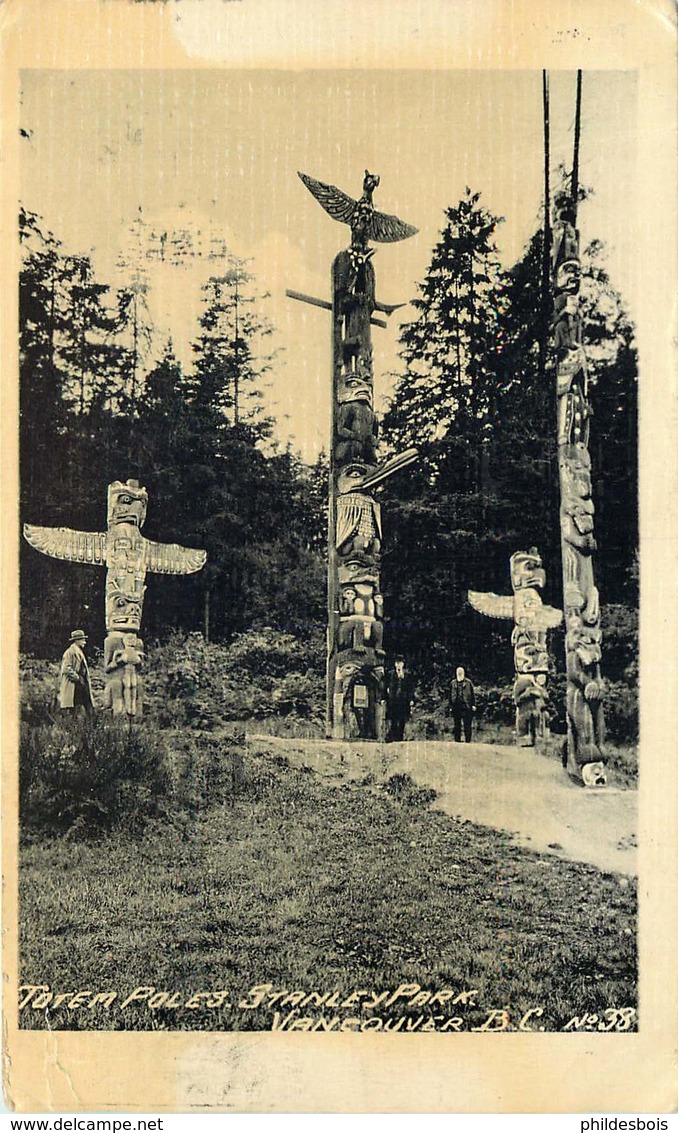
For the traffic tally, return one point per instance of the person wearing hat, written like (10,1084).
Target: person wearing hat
(399,698)
(75,690)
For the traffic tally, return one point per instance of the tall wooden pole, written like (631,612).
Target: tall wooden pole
(546,249)
(584,757)
(355,679)
(355,657)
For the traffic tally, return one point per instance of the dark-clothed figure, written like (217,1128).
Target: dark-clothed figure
(75,690)
(399,696)
(462,705)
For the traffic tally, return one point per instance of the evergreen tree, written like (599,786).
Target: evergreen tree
(91,360)
(133,313)
(448,387)
(230,364)
(42,410)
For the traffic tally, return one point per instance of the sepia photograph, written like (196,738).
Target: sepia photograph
(329,549)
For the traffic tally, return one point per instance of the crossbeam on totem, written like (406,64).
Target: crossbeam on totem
(355,610)
(128,557)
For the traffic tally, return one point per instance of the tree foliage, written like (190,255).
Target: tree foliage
(475,394)
(197,441)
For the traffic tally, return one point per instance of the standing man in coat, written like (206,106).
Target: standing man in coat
(462,705)
(399,696)
(75,690)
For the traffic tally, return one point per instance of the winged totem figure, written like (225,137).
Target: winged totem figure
(531,621)
(128,557)
(365,221)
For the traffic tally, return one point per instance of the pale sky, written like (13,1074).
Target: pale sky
(218,150)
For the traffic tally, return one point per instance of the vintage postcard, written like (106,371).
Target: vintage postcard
(338,589)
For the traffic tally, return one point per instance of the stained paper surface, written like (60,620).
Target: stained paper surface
(203,113)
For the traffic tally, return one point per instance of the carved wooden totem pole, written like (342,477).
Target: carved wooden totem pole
(355,654)
(532,619)
(585,759)
(128,556)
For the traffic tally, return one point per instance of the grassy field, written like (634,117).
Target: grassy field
(279,878)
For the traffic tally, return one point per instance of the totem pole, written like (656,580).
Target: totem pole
(584,758)
(355,654)
(532,619)
(128,556)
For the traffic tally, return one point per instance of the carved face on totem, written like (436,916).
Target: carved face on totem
(568,277)
(125,554)
(581,513)
(530,657)
(346,671)
(354,387)
(370,181)
(577,470)
(360,600)
(127,503)
(358,570)
(527,570)
(527,609)
(584,641)
(123,607)
(594,774)
(352,476)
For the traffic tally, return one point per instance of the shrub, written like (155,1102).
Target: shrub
(404,790)
(270,652)
(300,694)
(85,773)
(183,683)
(621,712)
(263,673)
(620,639)
(39,685)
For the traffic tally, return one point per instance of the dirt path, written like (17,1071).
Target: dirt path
(508,788)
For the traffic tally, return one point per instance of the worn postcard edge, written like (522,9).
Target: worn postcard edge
(50,1071)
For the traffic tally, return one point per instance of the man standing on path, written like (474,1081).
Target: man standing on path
(75,690)
(399,695)
(462,705)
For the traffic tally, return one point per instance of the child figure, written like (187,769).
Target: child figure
(123,654)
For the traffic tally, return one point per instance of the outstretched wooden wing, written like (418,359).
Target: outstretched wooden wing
(65,543)
(170,558)
(334,201)
(387,229)
(549,617)
(492,605)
